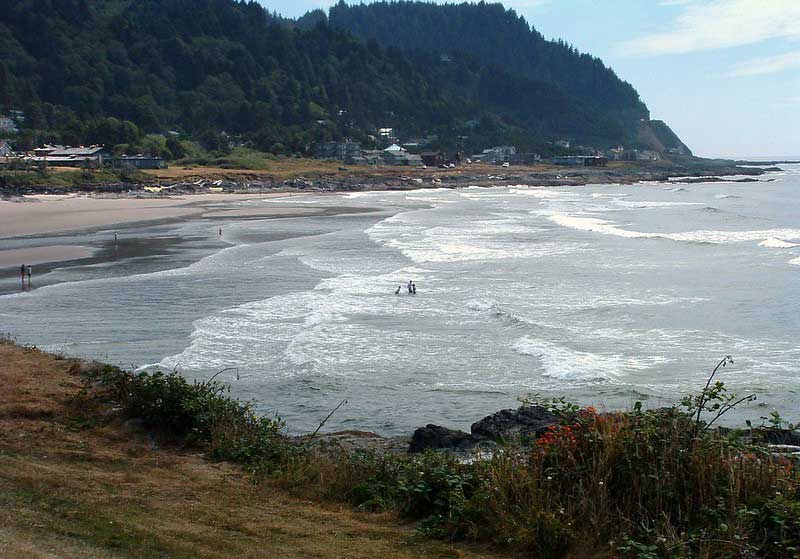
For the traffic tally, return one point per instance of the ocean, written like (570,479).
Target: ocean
(604,294)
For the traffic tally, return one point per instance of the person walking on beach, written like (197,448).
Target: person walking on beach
(22,274)
(28,269)
(115,237)
(220,231)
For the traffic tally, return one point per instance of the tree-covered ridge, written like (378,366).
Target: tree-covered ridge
(105,71)
(493,35)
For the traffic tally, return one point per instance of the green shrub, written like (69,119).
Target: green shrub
(639,484)
(197,413)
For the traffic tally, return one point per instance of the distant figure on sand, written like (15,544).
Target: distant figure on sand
(220,231)
(28,269)
(22,273)
(398,290)
(115,238)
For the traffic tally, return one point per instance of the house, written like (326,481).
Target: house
(338,150)
(498,154)
(46,149)
(137,162)
(5,149)
(581,160)
(640,155)
(525,159)
(366,157)
(60,156)
(396,155)
(562,144)
(433,158)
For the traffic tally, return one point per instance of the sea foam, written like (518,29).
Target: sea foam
(568,364)
(776,243)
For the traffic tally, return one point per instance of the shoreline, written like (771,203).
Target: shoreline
(23,213)
(181,181)
(51,216)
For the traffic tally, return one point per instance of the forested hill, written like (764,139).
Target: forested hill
(81,68)
(495,37)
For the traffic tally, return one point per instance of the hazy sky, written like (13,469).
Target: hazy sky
(724,74)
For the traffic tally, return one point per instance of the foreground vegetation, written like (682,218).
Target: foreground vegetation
(77,485)
(642,484)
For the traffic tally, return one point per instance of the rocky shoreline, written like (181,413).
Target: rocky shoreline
(520,427)
(242,182)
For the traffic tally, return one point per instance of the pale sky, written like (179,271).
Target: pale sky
(724,74)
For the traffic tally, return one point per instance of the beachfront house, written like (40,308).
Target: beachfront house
(91,156)
(338,150)
(5,149)
(396,155)
(66,156)
(525,159)
(137,162)
(581,160)
(366,157)
(433,158)
(496,155)
(640,155)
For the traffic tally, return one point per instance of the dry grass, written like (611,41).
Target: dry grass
(72,490)
(287,168)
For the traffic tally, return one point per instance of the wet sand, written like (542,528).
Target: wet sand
(37,255)
(43,214)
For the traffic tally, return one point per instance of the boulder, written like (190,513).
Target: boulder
(435,436)
(779,436)
(527,421)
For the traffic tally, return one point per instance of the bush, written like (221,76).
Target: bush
(197,413)
(641,484)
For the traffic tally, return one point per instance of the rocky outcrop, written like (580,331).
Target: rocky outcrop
(511,424)
(438,437)
(778,436)
(527,421)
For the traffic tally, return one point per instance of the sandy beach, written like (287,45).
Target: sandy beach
(42,214)
(58,215)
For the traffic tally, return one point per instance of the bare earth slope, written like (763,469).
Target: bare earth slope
(70,489)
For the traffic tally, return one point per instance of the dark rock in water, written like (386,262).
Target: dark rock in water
(779,436)
(527,421)
(435,436)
